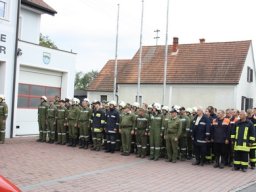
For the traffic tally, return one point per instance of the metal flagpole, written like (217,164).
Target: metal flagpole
(166,55)
(140,54)
(115,75)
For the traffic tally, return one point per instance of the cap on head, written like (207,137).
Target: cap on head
(122,104)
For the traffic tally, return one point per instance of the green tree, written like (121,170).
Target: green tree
(45,41)
(82,80)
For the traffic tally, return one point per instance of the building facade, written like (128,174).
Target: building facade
(221,74)
(38,70)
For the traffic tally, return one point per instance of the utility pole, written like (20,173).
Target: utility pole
(166,55)
(156,37)
(140,55)
(115,71)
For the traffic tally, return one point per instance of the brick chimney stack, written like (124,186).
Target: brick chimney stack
(175,44)
(202,40)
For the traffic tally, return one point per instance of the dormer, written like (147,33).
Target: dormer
(30,19)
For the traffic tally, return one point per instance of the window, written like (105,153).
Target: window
(246,103)
(103,98)
(249,75)
(29,95)
(2,9)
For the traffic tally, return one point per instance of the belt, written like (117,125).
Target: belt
(126,126)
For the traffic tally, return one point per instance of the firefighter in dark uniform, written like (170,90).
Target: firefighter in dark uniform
(183,145)
(243,137)
(98,125)
(84,124)
(141,129)
(42,111)
(200,136)
(51,120)
(252,153)
(189,139)
(112,125)
(220,134)
(3,117)
(61,120)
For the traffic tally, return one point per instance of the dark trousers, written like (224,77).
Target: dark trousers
(241,159)
(200,151)
(220,152)
(111,142)
(252,155)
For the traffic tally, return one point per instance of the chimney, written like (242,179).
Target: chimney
(202,40)
(175,44)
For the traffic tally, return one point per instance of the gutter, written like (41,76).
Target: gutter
(14,69)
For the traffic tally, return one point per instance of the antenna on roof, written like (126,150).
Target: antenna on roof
(157,37)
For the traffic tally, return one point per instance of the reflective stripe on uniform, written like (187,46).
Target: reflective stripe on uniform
(201,141)
(237,162)
(253,160)
(244,163)
(157,148)
(138,145)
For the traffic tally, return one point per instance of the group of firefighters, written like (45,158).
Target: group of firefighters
(225,138)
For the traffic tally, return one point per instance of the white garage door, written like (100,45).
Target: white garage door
(33,83)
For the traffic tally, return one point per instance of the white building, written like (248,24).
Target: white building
(221,74)
(38,70)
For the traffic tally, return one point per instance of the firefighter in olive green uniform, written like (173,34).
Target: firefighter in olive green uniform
(98,125)
(141,129)
(155,131)
(42,111)
(61,115)
(166,117)
(127,129)
(118,134)
(172,134)
(84,123)
(73,116)
(3,117)
(183,145)
(51,121)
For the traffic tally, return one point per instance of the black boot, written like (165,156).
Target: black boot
(70,143)
(74,143)
(107,148)
(86,144)
(112,148)
(81,144)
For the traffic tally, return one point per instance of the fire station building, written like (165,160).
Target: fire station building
(28,70)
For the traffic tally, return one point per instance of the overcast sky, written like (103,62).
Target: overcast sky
(88,27)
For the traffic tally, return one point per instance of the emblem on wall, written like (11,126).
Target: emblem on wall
(46,58)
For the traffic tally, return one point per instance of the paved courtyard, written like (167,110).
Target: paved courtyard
(42,167)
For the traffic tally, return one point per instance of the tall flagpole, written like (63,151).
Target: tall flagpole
(140,54)
(115,72)
(166,55)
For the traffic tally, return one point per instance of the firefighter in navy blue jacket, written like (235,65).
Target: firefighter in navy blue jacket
(242,137)
(200,136)
(220,134)
(112,125)
(98,125)
(252,153)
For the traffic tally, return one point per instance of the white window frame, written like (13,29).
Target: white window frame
(6,9)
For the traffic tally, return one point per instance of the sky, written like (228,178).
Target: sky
(88,27)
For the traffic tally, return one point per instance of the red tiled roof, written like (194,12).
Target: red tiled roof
(201,63)
(39,4)
(105,79)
